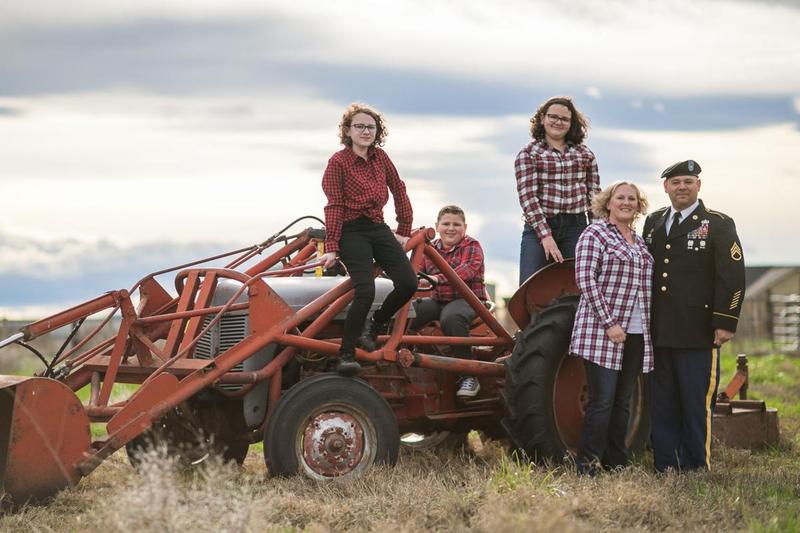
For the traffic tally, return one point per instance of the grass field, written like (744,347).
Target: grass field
(485,490)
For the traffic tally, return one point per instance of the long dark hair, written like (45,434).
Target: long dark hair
(578,127)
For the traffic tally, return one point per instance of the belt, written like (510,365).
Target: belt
(565,216)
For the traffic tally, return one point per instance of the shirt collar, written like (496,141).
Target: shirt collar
(439,245)
(352,156)
(685,212)
(542,143)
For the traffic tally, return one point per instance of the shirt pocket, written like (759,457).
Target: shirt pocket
(619,253)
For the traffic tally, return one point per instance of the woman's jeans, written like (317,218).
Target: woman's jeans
(361,241)
(565,228)
(605,422)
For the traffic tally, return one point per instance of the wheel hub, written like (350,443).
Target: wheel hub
(333,444)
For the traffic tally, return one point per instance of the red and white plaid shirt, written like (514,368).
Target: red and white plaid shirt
(466,258)
(358,188)
(611,274)
(550,182)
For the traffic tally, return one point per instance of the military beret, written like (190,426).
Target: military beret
(683,168)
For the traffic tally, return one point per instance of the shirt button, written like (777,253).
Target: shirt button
(664,275)
(666,260)
(663,288)
(668,247)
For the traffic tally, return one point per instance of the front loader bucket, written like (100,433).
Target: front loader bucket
(44,432)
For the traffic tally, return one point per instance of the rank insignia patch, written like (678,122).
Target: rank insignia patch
(736,252)
(735,300)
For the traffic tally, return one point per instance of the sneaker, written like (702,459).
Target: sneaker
(348,366)
(469,387)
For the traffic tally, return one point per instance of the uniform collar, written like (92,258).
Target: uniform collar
(684,212)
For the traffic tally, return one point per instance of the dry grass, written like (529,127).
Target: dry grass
(430,491)
(438,490)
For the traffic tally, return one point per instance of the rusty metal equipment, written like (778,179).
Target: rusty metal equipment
(236,354)
(743,423)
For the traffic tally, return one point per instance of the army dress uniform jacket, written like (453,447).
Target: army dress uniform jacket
(698,277)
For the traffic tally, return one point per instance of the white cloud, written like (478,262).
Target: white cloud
(666,48)
(797,104)
(594,93)
(749,174)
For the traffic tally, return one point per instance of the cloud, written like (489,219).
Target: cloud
(736,180)
(593,93)
(636,46)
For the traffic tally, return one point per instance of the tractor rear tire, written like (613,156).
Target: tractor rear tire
(330,426)
(545,391)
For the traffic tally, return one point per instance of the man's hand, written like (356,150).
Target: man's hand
(721,336)
(329,259)
(551,250)
(616,334)
(402,239)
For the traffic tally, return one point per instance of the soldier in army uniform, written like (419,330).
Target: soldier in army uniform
(698,288)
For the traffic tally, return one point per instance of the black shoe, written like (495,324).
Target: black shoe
(369,337)
(347,365)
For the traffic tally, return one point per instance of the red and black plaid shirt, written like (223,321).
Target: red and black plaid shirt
(356,188)
(466,258)
(550,182)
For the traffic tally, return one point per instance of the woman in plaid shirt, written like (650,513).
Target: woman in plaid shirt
(613,270)
(357,182)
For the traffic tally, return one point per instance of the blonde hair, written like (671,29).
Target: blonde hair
(601,199)
(451,210)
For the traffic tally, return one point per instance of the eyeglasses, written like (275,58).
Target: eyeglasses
(361,127)
(558,118)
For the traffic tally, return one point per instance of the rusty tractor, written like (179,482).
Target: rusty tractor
(244,352)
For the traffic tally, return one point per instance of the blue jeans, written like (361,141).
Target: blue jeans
(566,230)
(608,411)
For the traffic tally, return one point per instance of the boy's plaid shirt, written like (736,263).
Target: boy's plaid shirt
(360,188)
(611,274)
(550,183)
(466,258)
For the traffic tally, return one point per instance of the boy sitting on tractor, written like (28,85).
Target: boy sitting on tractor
(465,255)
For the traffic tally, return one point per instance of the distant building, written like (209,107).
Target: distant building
(771,310)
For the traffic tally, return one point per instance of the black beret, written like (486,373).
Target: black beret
(683,168)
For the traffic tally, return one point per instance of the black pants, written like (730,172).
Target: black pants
(362,241)
(454,318)
(605,422)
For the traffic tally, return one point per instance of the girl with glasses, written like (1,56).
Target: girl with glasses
(556,178)
(357,183)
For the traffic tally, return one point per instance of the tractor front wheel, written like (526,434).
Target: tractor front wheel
(329,427)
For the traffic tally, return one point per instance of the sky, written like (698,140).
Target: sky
(136,135)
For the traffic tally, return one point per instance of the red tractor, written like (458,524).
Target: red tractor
(244,352)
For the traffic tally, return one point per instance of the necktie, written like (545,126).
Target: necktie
(676,220)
